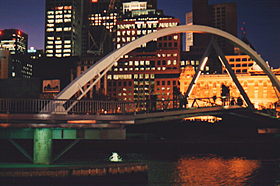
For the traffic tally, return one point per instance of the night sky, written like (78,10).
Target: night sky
(262,18)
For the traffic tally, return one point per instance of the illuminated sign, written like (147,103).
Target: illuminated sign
(51,86)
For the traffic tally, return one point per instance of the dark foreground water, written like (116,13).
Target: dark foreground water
(202,157)
(213,170)
(169,168)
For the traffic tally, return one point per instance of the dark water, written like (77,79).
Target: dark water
(210,156)
(204,170)
(213,170)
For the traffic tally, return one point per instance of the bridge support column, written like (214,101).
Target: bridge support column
(42,149)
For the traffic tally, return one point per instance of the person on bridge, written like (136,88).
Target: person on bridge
(239,101)
(225,94)
(232,102)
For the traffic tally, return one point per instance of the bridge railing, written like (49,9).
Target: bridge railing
(101,107)
(35,106)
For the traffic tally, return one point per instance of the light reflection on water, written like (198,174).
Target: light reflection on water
(214,171)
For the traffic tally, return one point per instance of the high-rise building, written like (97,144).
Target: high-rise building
(150,70)
(14,40)
(63,28)
(101,17)
(189,36)
(222,16)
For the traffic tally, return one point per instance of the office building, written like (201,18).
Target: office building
(150,70)
(14,40)
(63,28)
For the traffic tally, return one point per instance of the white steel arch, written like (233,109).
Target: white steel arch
(100,68)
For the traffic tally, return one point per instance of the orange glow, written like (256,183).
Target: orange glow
(67,7)
(215,171)
(94,1)
(258,88)
(1,32)
(19,32)
(5,125)
(81,121)
(59,8)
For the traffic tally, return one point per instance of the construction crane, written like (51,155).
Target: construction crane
(111,5)
(97,47)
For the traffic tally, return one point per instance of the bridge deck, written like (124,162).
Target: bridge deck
(107,120)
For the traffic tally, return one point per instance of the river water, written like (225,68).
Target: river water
(204,170)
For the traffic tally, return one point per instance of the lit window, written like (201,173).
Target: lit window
(67,20)
(58,42)
(67,28)
(67,50)
(50,29)
(59,20)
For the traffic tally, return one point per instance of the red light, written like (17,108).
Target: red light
(1,32)
(19,32)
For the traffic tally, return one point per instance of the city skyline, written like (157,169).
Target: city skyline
(260,17)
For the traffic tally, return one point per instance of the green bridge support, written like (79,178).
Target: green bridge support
(42,153)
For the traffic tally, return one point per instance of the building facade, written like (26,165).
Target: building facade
(256,84)
(14,40)
(63,28)
(4,64)
(150,70)
(239,63)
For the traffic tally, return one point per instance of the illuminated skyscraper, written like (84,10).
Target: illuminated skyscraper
(14,40)
(152,69)
(63,28)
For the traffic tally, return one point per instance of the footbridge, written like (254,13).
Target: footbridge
(71,117)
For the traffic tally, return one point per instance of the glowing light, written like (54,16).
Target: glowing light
(81,121)
(19,32)
(203,63)
(1,32)
(59,8)
(94,1)
(115,157)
